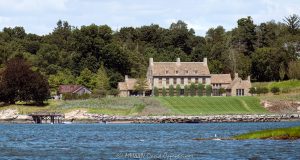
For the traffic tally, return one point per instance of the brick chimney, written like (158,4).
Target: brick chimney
(236,75)
(151,61)
(205,61)
(248,78)
(178,61)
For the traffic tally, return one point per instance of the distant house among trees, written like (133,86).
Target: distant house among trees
(188,78)
(72,90)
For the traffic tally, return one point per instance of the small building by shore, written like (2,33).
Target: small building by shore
(72,89)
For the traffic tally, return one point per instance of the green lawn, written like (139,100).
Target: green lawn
(212,105)
(151,106)
(281,133)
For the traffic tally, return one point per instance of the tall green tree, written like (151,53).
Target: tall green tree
(293,23)
(86,79)
(200,89)
(178,88)
(141,85)
(208,90)
(171,90)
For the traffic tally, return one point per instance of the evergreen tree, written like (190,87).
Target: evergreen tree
(186,90)
(171,90)
(164,92)
(208,89)
(141,85)
(192,89)
(178,88)
(156,92)
(200,89)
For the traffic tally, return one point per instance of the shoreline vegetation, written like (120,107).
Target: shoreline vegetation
(291,133)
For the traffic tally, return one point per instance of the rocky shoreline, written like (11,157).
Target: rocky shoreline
(81,116)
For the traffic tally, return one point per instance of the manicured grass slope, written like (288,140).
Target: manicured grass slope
(213,105)
(281,133)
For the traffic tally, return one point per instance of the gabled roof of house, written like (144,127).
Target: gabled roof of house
(129,84)
(179,69)
(70,88)
(239,83)
(221,78)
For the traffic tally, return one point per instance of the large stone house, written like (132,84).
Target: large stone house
(163,74)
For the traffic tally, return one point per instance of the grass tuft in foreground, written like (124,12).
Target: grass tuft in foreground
(276,134)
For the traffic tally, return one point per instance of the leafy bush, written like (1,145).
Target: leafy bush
(186,90)
(171,90)
(156,92)
(164,92)
(208,89)
(262,90)
(275,90)
(178,90)
(200,89)
(222,91)
(193,89)
(114,92)
(252,90)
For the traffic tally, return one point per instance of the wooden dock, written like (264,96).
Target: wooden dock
(47,117)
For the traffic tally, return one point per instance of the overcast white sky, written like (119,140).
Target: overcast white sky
(40,16)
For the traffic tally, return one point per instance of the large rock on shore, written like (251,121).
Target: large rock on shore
(8,114)
(78,115)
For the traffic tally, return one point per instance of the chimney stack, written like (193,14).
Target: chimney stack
(248,78)
(126,78)
(205,61)
(151,61)
(178,61)
(236,75)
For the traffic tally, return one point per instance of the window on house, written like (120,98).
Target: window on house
(182,81)
(196,72)
(167,81)
(176,72)
(196,80)
(240,92)
(203,80)
(160,80)
(167,72)
(175,80)
(189,80)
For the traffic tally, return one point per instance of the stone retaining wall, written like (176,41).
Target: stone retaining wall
(199,119)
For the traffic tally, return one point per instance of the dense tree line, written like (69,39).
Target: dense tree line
(267,51)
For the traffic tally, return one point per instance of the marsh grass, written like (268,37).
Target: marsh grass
(277,134)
